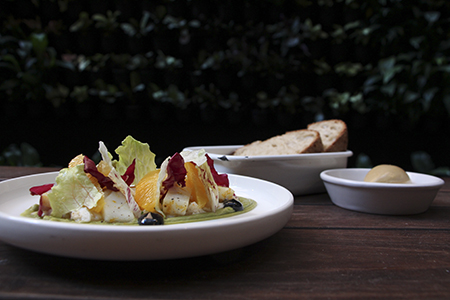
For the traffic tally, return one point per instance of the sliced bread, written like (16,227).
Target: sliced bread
(292,142)
(333,133)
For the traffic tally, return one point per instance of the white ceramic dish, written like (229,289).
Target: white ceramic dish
(299,173)
(347,189)
(115,242)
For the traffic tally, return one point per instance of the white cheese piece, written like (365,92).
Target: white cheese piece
(81,215)
(194,209)
(226,193)
(116,208)
(176,201)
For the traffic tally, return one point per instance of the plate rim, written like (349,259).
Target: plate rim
(326,177)
(283,208)
(170,227)
(228,157)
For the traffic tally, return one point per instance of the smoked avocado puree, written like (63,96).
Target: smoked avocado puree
(248,205)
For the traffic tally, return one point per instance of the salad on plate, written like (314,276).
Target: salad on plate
(132,190)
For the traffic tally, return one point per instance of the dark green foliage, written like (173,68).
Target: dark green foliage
(289,61)
(387,56)
(23,155)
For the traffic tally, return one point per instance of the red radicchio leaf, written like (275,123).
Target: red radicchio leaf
(129,175)
(44,209)
(38,191)
(176,172)
(91,168)
(220,179)
(41,189)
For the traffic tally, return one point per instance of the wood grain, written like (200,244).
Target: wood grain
(324,252)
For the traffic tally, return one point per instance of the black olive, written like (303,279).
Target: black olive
(234,204)
(150,219)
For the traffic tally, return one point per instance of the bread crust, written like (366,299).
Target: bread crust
(292,142)
(323,136)
(334,134)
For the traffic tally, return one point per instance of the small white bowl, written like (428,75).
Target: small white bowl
(347,189)
(299,173)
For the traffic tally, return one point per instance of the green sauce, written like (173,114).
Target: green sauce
(248,204)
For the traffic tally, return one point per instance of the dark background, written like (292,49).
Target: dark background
(187,73)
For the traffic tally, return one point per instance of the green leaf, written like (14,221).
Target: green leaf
(441,171)
(83,22)
(39,42)
(432,16)
(363,161)
(350,69)
(444,68)
(386,63)
(371,80)
(12,155)
(99,18)
(410,97)
(30,156)
(428,96)
(72,191)
(128,29)
(421,162)
(416,42)
(12,62)
(388,69)
(389,89)
(144,19)
(132,149)
(388,75)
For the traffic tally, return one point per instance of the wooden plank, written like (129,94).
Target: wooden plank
(295,263)
(308,216)
(12,172)
(323,252)
(442,198)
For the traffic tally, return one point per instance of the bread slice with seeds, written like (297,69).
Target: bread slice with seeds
(292,142)
(333,133)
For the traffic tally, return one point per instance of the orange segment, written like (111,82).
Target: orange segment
(77,160)
(103,168)
(195,185)
(147,191)
(99,207)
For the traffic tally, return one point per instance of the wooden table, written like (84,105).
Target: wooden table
(324,252)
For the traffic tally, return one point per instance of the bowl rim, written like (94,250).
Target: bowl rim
(231,148)
(432,181)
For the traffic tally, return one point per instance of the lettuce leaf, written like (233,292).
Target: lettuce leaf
(132,149)
(198,157)
(72,191)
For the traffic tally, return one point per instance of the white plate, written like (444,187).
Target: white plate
(299,173)
(112,242)
(347,189)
